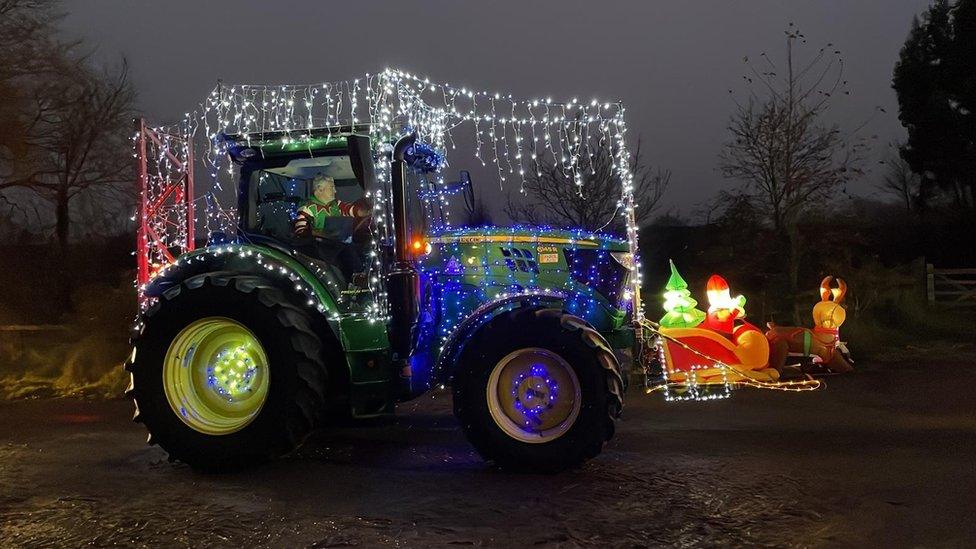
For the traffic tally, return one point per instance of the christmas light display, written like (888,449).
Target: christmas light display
(469,269)
(720,339)
(723,309)
(541,392)
(688,385)
(704,360)
(221,222)
(422,158)
(678,303)
(514,137)
(166,219)
(232,373)
(822,343)
(479,265)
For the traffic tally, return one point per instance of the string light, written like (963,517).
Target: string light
(688,385)
(524,135)
(394,100)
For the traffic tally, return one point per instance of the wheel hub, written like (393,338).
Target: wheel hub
(215,375)
(533,395)
(233,372)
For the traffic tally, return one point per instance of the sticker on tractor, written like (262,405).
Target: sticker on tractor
(548,254)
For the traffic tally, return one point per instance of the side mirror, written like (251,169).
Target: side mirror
(361,159)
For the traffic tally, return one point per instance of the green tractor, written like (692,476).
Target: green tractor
(344,292)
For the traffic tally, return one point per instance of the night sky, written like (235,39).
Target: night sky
(672,63)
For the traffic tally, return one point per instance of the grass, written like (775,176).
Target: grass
(903,326)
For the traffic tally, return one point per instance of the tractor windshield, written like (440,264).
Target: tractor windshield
(318,207)
(324,188)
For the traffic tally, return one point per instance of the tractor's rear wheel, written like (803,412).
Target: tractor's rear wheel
(538,390)
(227,372)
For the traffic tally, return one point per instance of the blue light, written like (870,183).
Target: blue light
(539,397)
(423,158)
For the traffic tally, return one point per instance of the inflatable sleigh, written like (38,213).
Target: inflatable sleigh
(722,349)
(715,358)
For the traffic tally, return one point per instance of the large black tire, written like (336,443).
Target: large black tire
(297,381)
(577,343)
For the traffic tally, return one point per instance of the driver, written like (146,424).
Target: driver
(322,205)
(311,221)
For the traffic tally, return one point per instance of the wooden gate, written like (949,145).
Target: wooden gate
(951,287)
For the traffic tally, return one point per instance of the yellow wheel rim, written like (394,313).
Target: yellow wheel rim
(216,376)
(533,395)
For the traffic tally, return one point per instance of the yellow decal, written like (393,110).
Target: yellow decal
(514,239)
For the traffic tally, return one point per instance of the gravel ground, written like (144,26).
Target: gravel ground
(884,457)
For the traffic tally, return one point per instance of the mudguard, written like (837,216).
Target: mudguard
(250,259)
(454,346)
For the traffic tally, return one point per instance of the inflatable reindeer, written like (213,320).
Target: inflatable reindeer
(822,342)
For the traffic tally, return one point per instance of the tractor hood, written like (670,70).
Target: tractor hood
(530,237)
(505,260)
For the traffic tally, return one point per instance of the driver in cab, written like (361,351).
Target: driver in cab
(322,205)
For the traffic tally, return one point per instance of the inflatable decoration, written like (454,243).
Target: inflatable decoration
(678,304)
(723,350)
(818,349)
(723,309)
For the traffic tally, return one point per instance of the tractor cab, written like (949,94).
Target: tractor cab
(310,198)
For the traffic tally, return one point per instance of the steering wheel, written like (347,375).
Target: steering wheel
(362,223)
(301,228)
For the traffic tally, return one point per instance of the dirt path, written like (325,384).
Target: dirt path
(886,457)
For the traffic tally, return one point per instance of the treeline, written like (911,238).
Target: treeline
(789,216)
(65,158)
(65,123)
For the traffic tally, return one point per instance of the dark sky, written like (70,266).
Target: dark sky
(672,63)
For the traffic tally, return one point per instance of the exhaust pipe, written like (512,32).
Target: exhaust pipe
(403,282)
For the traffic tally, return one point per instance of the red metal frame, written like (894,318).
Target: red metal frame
(166,212)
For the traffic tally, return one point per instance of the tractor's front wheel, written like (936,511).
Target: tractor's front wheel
(226,372)
(538,390)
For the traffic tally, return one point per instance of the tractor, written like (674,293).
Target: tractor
(344,293)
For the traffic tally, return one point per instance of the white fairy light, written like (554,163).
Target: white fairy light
(394,99)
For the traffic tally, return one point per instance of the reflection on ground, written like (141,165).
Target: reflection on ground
(881,457)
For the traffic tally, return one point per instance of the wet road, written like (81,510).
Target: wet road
(886,457)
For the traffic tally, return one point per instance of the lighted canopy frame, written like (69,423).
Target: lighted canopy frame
(166,219)
(509,136)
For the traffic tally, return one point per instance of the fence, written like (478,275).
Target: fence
(951,287)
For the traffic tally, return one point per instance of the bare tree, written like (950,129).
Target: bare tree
(75,137)
(901,182)
(789,158)
(27,27)
(64,129)
(30,54)
(554,197)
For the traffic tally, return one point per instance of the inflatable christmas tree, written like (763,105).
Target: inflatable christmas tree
(680,306)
